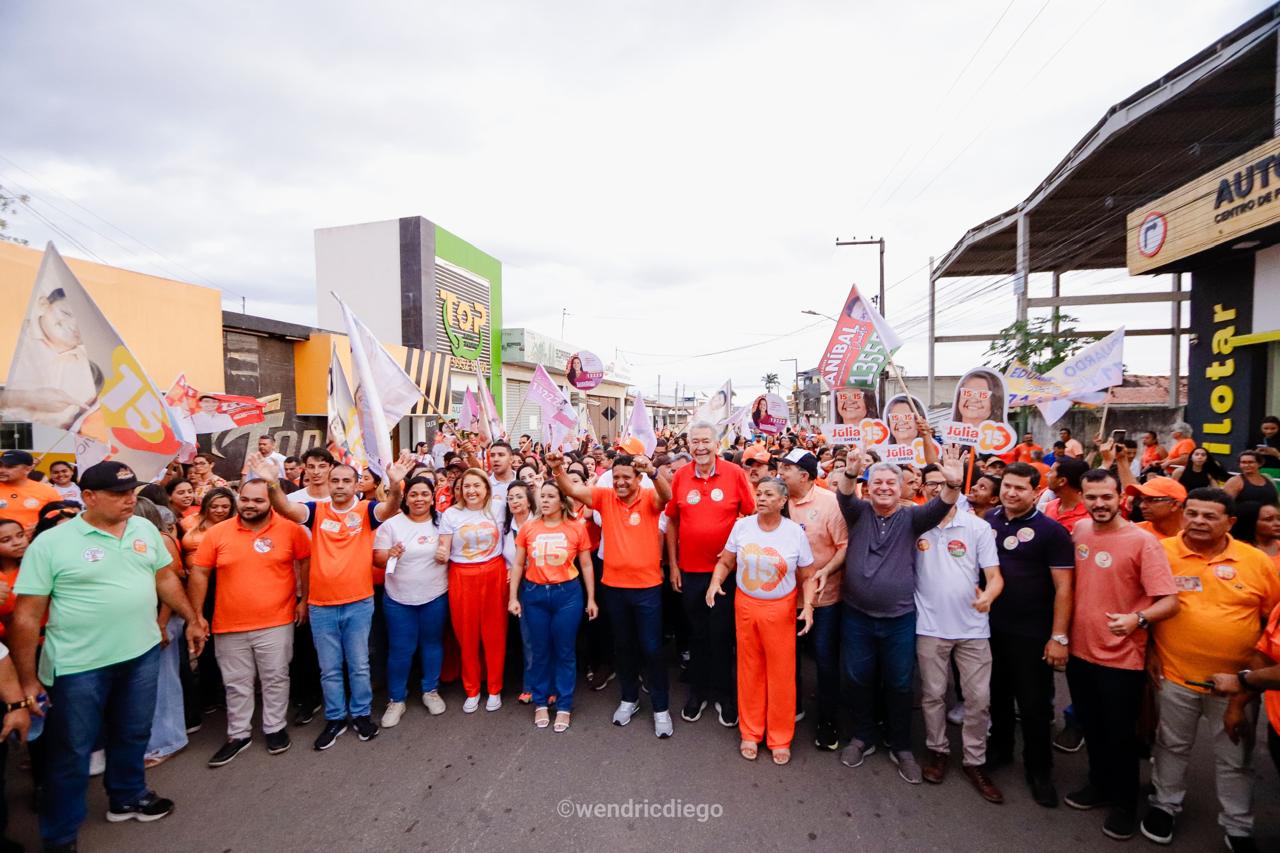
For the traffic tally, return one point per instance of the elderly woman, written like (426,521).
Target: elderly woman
(765,550)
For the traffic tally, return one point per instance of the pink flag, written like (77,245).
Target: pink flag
(469,419)
(641,425)
(559,419)
(489,409)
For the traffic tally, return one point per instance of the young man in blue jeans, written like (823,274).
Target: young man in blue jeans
(99,575)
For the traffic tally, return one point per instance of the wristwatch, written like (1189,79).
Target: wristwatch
(1061,639)
(28,702)
(954,485)
(1142,620)
(1243,677)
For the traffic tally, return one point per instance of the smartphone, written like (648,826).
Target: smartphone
(1207,685)
(1118,436)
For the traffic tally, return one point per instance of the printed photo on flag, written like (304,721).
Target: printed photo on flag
(213,412)
(860,346)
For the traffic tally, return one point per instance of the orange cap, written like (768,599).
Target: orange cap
(756,453)
(632,445)
(1159,487)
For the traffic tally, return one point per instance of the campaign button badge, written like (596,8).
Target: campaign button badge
(717,495)
(1010,543)
(1026,534)
(695,496)
(262,546)
(1224,572)
(1103,559)
(957,548)
(922,545)
(93,555)
(634,519)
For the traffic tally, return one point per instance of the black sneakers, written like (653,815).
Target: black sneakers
(1043,791)
(278,742)
(230,750)
(1086,798)
(1157,826)
(366,728)
(828,738)
(1121,824)
(692,710)
(307,713)
(333,729)
(147,809)
(727,714)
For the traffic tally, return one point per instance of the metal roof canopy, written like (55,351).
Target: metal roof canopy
(1215,106)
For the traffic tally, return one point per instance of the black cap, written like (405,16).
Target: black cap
(108,477)
(16,457)
(804,460)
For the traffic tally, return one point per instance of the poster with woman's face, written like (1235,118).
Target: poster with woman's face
(900,414)
(769,414)
(850,405)
(980,413)
(585,370)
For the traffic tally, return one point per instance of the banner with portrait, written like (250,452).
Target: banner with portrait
(980,413)
(769,414)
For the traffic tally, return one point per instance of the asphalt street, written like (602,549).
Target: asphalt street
(491,781)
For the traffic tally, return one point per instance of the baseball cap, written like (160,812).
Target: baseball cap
(1159,487)
(804,460)
(632,445)
(756,453)
(108,477)
(16,457)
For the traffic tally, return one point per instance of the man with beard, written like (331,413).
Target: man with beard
(261,561)
(1123,585)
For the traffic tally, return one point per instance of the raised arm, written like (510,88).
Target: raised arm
(266,470)
(396,472)
(661,485)
(580,493)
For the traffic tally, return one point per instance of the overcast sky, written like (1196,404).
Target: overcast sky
(673,174)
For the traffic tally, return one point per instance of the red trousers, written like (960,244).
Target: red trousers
(766,669)
(478,595)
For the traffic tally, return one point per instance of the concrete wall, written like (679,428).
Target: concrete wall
(361,263)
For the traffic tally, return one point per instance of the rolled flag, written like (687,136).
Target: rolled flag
(72,371)
(469,418)
(640,425)
(383,392)
(489,409)
(345,441)
(860,346)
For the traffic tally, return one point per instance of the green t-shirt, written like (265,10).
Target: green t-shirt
(102,593)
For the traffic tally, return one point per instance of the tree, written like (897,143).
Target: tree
(770,381)
(1035,344)
(8,203)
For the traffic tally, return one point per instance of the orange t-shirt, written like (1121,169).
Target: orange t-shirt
(1224,600)
(22,503)
(593,530)
(1022,452)
(341,553)
(632,543)
(551,553)
(1269,645)
(1182,448)
(256,585)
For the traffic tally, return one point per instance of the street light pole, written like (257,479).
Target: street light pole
(874,241)
(795,386)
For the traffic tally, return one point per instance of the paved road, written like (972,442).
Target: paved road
(493,782)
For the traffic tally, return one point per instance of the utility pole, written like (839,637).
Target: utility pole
(874,241)
(795,386)
(564,312)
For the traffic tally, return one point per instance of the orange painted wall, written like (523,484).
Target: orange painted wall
(171,326)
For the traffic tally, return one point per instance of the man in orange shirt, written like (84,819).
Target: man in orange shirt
(632,581)
(1023,450)
(1227,589)
(1263,673)
(261,561)
(1183,444)
(1152,452)
(340,586)
(1162,499)
(20,496)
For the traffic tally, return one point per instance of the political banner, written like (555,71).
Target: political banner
(980,413)
(848,434)
(469,418)
(72,371)
(559,418)
(497,430)
(860,345)
(1081,378)
(769,414)
(585,370)
(343,437)
(212,412)
(640,425)
(717,409)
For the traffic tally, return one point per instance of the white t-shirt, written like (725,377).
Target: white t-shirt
(477,536)
(438,450)
(768,559)
(69,492)
(416,577)
(949,561)
(509,544)
(302,497)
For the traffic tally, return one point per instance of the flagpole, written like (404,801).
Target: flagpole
(54,446)
(897,374)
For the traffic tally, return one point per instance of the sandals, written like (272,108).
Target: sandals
(562,722)
(782,756)
(542,717)
(748,750)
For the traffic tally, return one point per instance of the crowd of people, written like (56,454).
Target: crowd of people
(1149,574)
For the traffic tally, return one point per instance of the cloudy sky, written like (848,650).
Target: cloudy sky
(674,174)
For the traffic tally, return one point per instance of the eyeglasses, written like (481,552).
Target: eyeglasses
(938,485)
(1150,500)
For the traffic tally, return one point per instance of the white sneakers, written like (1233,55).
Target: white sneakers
(472,703)
(493,703)
(662,723)
(391,716)
(626,710)
(956,715)
(434,703)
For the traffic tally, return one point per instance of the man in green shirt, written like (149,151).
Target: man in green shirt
(99,576)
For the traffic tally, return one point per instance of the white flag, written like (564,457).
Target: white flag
(384,393)
(641,425)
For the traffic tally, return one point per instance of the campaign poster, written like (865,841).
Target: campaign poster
(852,405)
(585,370)
(980,413)
(769,414)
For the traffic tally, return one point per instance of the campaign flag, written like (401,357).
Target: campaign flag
(860,346)
(559,418)
(206,413)
(717,408)
(384,393)
(469,418)
(344,439)
(489,409)
(72,371)
(640,425)
(1077,379)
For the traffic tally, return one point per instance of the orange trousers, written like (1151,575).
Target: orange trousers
(766,669)
(478,595)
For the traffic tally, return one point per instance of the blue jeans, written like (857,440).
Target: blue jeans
(169,725)
(341,634)
(123,696)
(550,613)
(636,618)
(824,641)
(410,628)
(874,646)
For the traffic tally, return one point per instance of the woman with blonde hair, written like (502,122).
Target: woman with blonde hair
(471,540)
